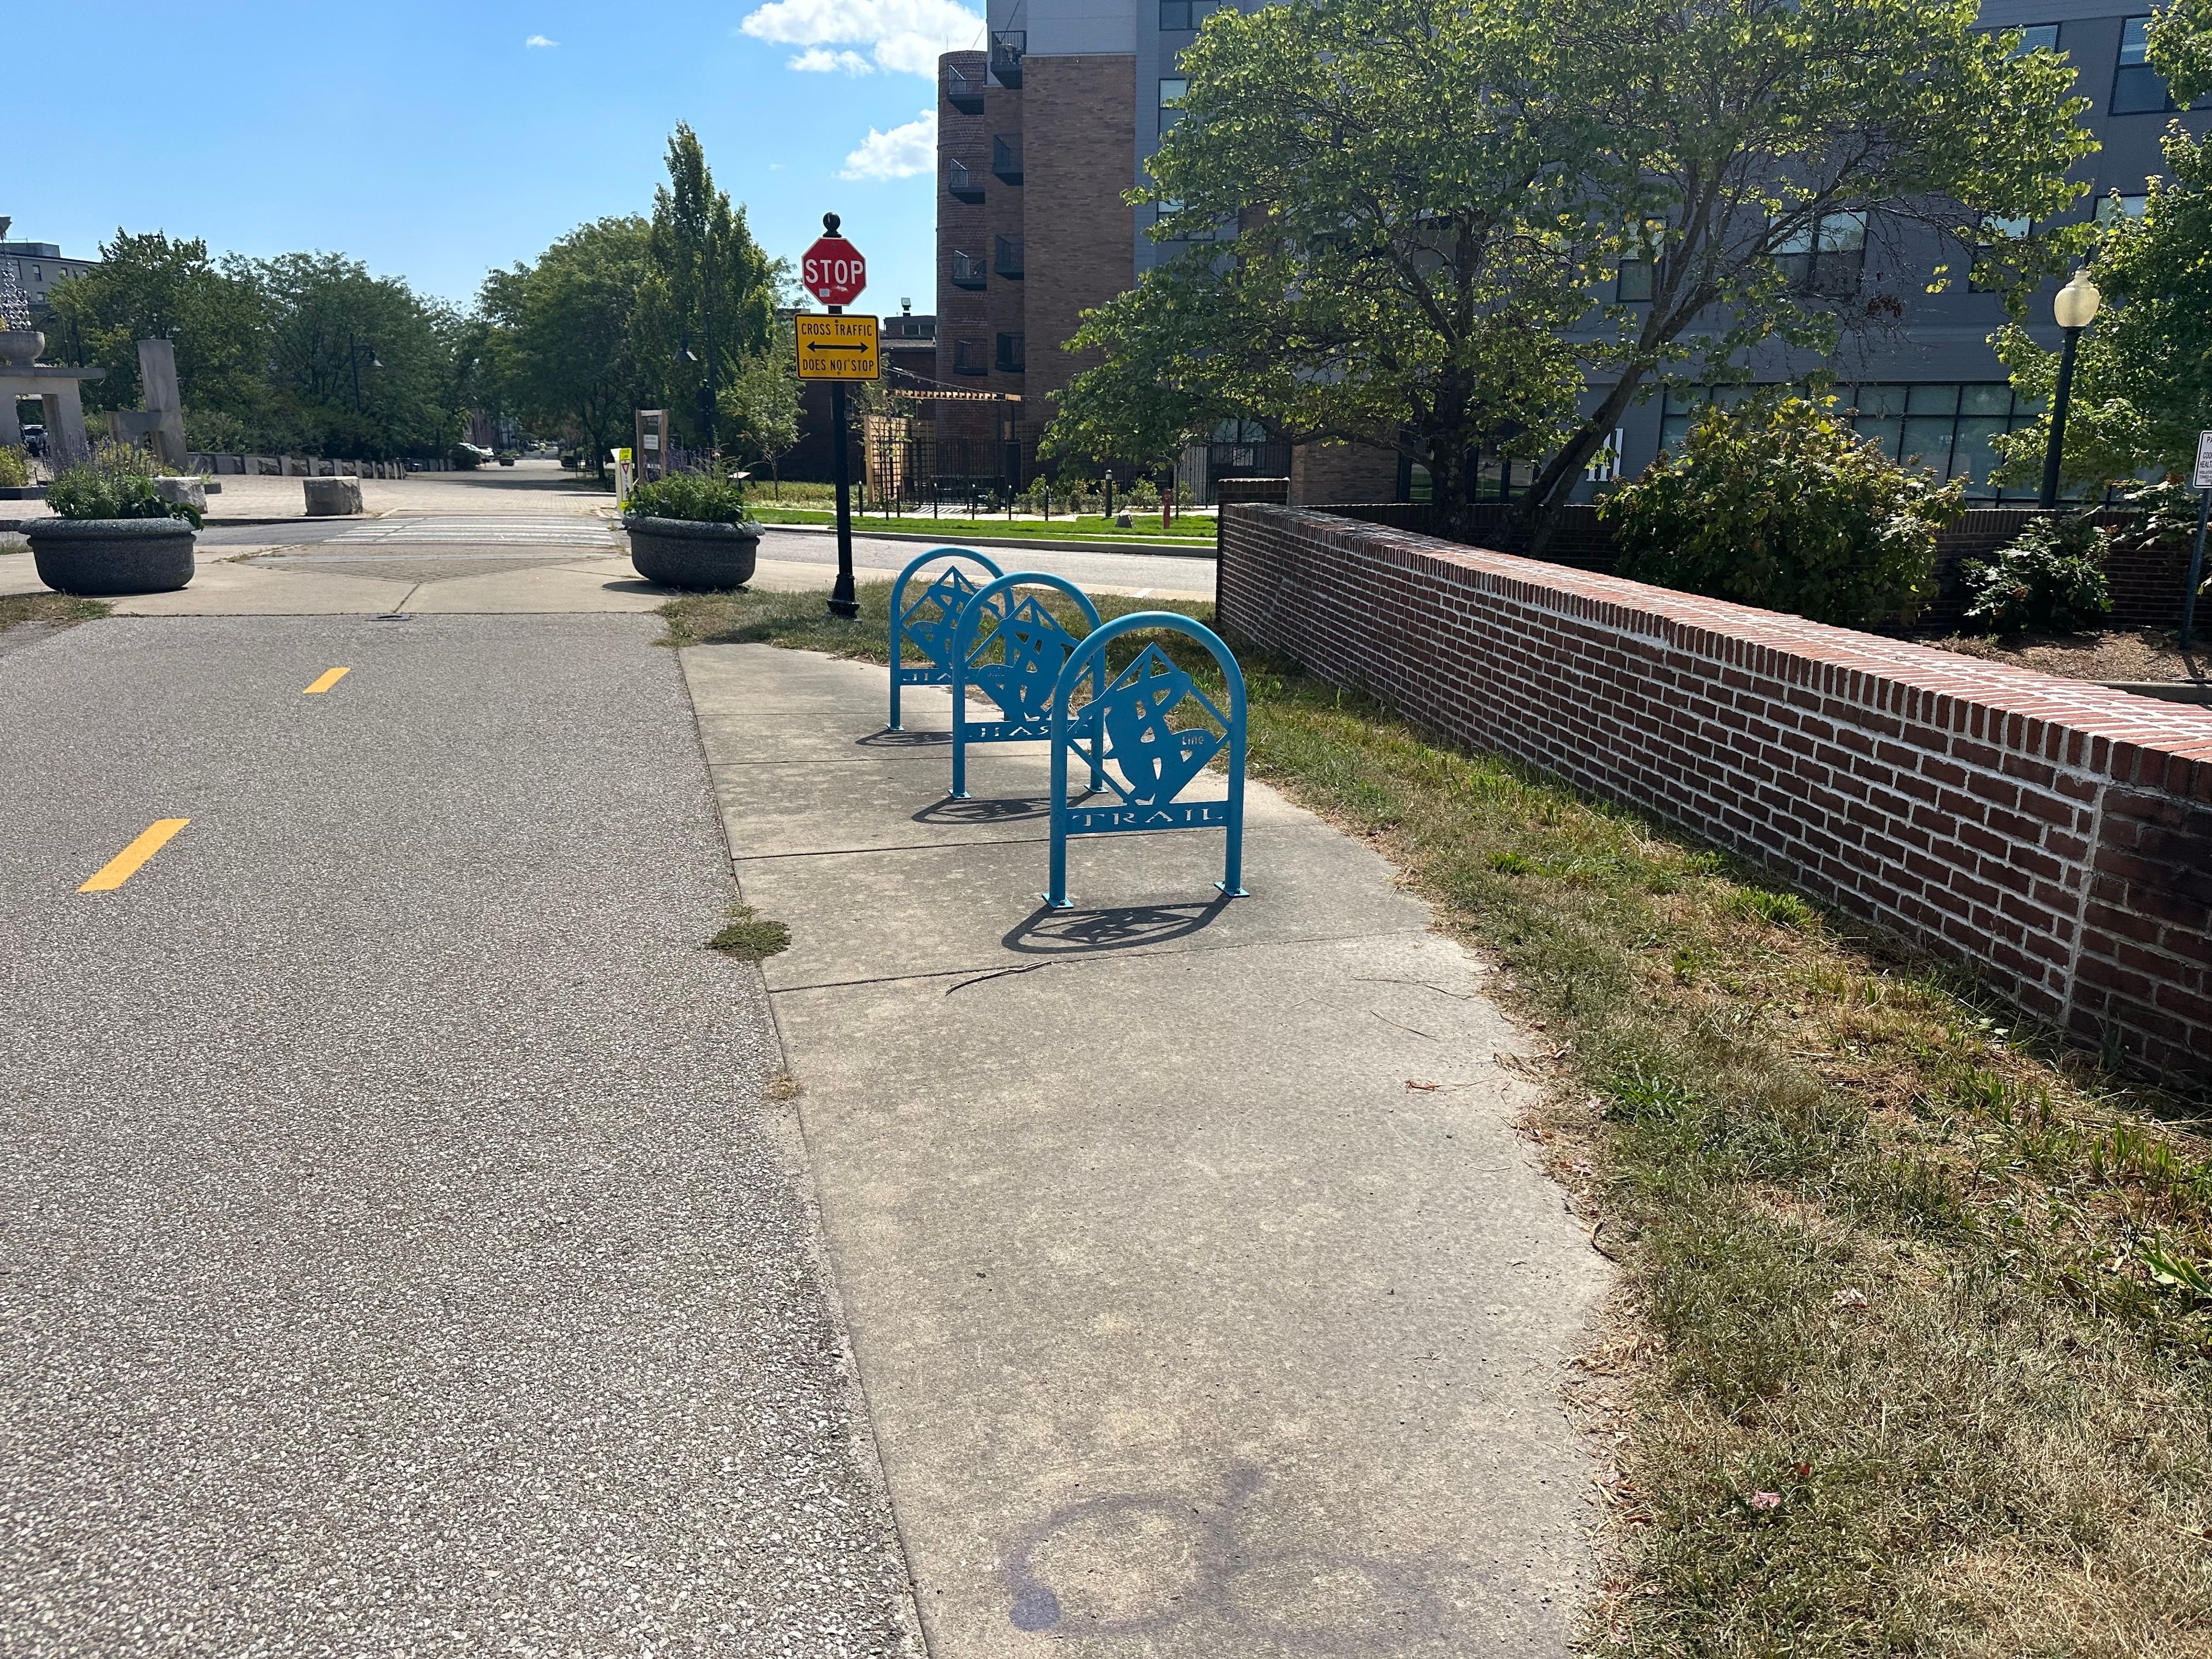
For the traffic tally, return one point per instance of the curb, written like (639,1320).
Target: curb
(1179,551)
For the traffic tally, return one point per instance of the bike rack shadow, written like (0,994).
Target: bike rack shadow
(891,738)
(1046,931)
(956,812)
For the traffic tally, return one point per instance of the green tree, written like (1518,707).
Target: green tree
(708,297)
(760,407)
(1704,141)
(148,287)
(1740,131)
(363,364)
(562,342)
(1393,270)
(2142,385)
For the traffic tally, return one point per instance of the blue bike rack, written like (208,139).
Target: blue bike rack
(1124,733)
(931,634)
(1033,647)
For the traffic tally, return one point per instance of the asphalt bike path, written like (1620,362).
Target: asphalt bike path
(400,1250)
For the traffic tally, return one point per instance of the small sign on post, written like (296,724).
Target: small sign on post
(2201,481)
(837,348)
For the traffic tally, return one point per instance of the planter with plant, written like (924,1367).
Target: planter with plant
(112,531)
(689,530)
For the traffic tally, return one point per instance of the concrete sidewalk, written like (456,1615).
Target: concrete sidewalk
(1192,1318)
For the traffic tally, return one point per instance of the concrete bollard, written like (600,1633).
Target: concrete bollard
(331,497)
(189,492)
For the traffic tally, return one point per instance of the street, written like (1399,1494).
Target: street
(402,1253)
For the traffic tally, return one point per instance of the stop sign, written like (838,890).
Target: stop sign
(833,271)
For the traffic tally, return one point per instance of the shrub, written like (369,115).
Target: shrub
(1778,503)
(2051,580)
(15,469)
(700,497)
(116,483)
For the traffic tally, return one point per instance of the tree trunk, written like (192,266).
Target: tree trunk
(1451,485)
(1539,513)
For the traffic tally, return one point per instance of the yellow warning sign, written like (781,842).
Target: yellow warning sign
(837,348)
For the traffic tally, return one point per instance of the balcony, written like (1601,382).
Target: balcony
(1008,263)
(1006,158)
(1010,355)
(1007,47)
(963,92)
(967,358)
(968,270)
(962,184)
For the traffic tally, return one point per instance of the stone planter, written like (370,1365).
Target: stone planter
(20,347)
(679,553)
(96,557)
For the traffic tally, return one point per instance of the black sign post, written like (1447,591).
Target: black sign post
(834,272)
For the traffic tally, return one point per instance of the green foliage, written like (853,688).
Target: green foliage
(2142,385)
(707,301)
(2051,580)
(116,483)
(626,313)
(148,287)
(700,497)
(1406,281)
(760,406)
(304,352)
(1778,503)
(562,340)
(14,468)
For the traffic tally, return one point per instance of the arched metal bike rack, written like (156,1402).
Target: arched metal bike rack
(932,634)
(1126,734)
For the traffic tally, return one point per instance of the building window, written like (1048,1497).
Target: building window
(1008,263)
(1172,88)
(1945,426)
(1995,231)
(1185,14)
(2109,208)
(2137,89)
(1006,156)
(1639,264)
(2038,36)
(967,358)
(967,271)
(1825,258)
(1010,354)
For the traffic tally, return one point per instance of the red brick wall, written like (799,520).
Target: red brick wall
(2054,836)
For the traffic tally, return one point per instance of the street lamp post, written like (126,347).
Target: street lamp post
(2074,309)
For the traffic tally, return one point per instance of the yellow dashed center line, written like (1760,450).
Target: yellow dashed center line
(329,679)
(125,865)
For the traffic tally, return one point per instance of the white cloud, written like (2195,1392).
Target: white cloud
(902,35)
(822,60)
(899,154)
(540,40)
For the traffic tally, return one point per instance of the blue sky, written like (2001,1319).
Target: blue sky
(434,141)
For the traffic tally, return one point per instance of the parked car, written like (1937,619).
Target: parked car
(34,439)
